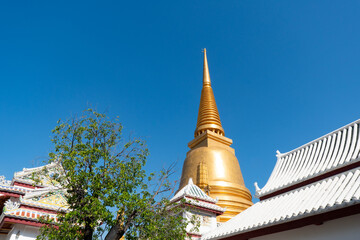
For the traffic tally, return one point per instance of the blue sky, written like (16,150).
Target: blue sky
(283,73)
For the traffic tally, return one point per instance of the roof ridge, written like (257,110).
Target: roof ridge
(330,152)
(317,139)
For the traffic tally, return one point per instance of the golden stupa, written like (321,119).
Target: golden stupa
(211,162)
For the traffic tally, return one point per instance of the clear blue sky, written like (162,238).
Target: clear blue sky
(283,73)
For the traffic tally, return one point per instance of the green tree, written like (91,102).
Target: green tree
(107,189)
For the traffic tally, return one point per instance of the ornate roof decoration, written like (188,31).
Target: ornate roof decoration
(54,207)
(14,189)
(30,201)
(27,214)
(11,204)
(4,182)
(7,186)
(27,174)
(330,152)
(51,199)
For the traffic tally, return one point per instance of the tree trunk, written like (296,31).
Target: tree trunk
(115,233)
(88,232)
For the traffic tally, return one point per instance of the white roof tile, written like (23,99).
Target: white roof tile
(203,204)
(14,189)
(191,190)
(193,195)
(335,192)
(332,151)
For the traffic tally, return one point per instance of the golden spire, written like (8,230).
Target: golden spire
(211,160)
(208,117)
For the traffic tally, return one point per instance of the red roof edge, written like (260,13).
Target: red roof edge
(10,194)
(24,206)
(22,221)
(204,208)
(21,184)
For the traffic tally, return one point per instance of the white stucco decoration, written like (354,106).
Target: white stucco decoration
(11,204)
(4,182)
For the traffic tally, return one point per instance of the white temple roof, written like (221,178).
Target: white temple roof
(201,204)
(194,196)
(29,202)
(331,193)
(330,152)
(191,190)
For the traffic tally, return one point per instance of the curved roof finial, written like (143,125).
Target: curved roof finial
(191,181)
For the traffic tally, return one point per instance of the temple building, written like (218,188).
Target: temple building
(211,162)
(23,201)
(201,206)
(313,193)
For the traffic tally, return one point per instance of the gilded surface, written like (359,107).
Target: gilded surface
(208,117)
(211,160)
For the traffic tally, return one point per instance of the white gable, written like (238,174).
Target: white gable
(191,190)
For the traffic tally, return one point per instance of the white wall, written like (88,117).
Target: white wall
(347,228)
(207,221)
(25,232)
